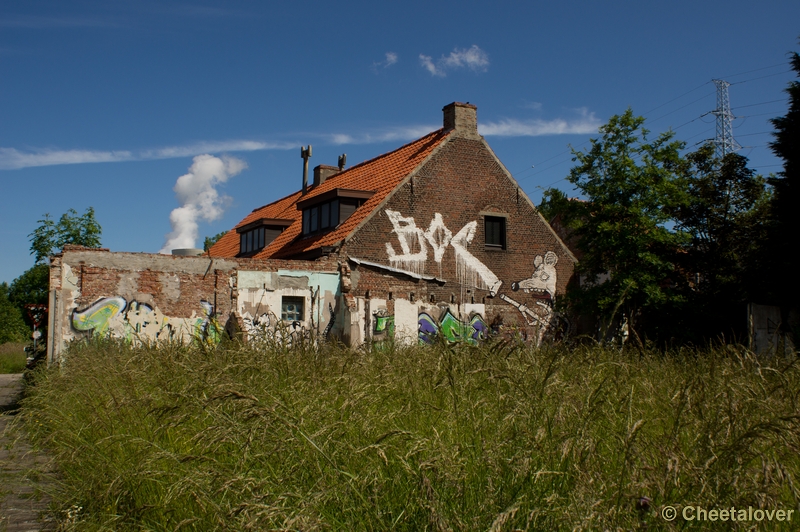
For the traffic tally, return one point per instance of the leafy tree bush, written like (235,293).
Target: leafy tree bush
(48,238)
(785,286)
(725,214)
(625,229)
(51,236)
(211,240)
(12,326)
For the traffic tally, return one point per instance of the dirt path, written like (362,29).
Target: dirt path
(23,502)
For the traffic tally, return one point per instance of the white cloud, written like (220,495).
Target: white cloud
(12,158)
(199,199)
(391,58)
(586,123)
(171,152)
(372,137)
(473,58)
(427,64)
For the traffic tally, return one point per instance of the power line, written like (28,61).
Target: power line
(762,103)
(761,77)
(678,98)
(755,70)
(520,175)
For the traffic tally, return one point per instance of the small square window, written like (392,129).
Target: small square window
(292,308)
(495,230)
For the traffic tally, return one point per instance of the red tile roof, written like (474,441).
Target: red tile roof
(380,175)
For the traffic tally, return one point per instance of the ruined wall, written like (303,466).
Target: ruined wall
(432,228)
(149,297)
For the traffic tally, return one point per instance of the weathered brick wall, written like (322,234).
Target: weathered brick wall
(461,184)
(150,296)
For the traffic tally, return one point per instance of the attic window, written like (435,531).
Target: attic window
(257,235)
(495,231)
(326,211)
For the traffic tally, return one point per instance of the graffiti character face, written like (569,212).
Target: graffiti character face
(543,280)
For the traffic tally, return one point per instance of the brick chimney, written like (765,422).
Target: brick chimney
(463,118)
(323,172)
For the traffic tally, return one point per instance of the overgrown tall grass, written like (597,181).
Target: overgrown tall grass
(12,357)
(439,438)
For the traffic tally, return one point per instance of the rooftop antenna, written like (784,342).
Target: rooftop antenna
(724,141)
(305,153)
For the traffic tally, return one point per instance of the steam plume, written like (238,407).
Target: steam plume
(199,198)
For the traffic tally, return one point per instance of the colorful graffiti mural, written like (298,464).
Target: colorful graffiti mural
(470,271)
(97,316)
(136,321)
(451,328)
(383,325)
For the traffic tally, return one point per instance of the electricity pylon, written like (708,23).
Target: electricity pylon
(724,141)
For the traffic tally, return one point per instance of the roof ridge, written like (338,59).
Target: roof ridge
(276,201)
(388,153)
(368,161)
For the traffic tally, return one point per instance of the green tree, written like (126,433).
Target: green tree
(633,189)
(211,240)
(725,214)
(12,326)
(51,236)
(554,203)
(32,286)
(785,286)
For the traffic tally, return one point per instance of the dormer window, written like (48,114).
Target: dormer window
(259,234)
(326,211)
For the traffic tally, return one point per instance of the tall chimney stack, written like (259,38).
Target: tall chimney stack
(462,118)
(305,153)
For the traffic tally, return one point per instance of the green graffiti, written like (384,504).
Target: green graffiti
(384,326)
(451,328)
(207,329)
(97,317)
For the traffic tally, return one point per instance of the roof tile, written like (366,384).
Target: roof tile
(380,175)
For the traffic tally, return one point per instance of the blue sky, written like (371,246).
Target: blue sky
(105,104)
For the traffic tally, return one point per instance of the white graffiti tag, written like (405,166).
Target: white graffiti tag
(470,270)
(409,236)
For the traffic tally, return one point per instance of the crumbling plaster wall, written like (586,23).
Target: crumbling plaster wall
(146,297)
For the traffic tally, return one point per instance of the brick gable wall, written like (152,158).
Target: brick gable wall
(463,182)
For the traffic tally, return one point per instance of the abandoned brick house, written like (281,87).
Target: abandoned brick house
(435,237)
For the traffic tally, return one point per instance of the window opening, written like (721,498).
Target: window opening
(495,231)
(292,308)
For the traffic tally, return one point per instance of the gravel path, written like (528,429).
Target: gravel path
(23,499)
